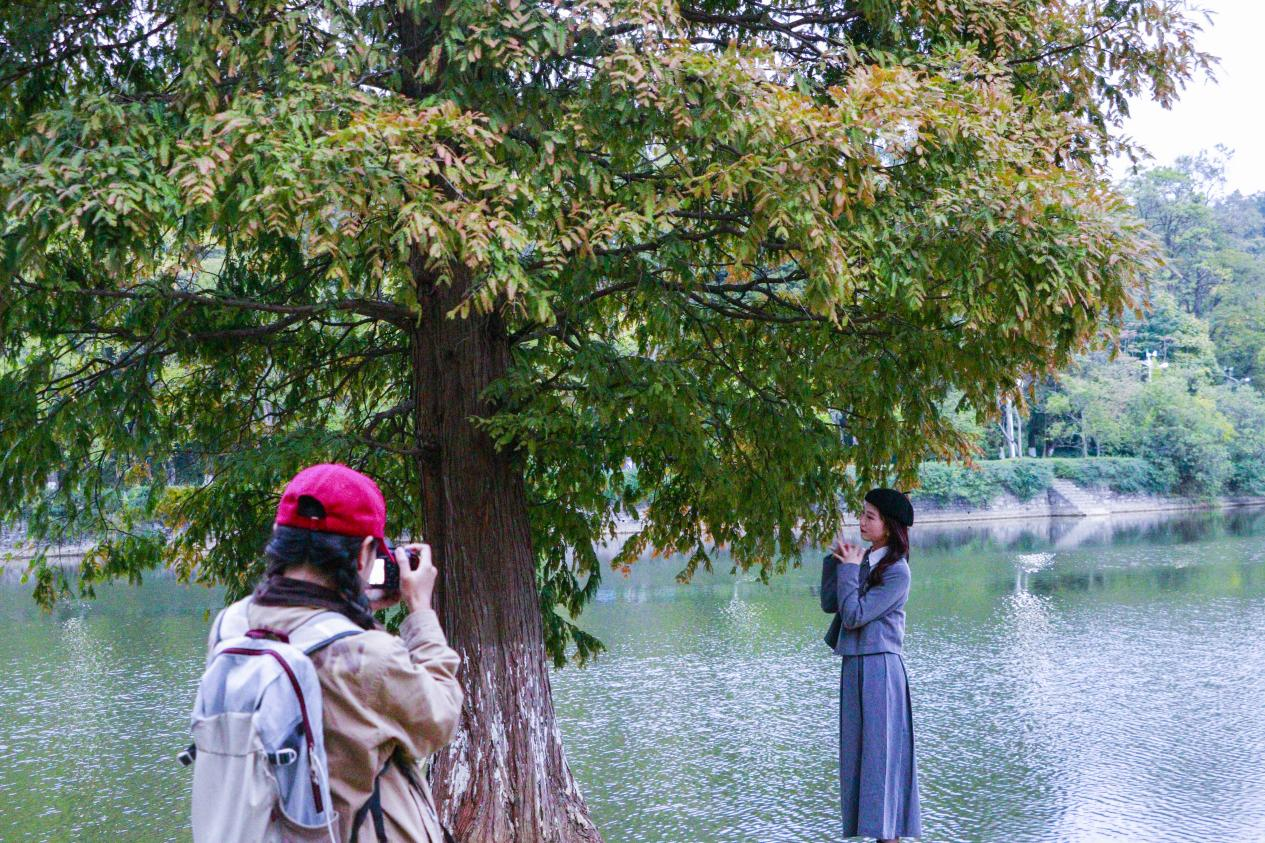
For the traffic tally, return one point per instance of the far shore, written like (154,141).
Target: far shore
(1006,510)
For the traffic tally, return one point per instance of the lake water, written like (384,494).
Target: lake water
(1072,681)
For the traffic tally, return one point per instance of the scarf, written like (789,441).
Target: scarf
(285,591)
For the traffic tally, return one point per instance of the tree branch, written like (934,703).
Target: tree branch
(81,48)
(373,308)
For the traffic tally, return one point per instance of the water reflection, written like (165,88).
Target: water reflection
(1027,564)
(1035,535)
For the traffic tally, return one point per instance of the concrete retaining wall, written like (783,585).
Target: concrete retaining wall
(1008,506)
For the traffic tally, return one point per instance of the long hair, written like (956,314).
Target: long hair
(329,553)
(897,549)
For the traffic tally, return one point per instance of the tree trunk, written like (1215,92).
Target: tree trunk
(504,777)
(1008,428)
(1020,446)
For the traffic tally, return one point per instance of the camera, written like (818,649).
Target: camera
(385,573)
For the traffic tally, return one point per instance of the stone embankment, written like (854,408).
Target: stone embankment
(1064,499)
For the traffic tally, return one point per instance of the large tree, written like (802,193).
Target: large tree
(500,255)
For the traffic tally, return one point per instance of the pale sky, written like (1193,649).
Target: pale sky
(1229,111)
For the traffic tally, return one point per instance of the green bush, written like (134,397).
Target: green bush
(1124,475)
(949,484)
(1024,478)
(1028,478)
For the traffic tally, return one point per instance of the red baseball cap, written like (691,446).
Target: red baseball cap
(353,503)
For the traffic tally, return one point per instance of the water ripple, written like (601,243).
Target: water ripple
(1109,691)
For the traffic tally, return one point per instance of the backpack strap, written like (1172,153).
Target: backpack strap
(424,792)
(321,630)
(372,809)
(231,623)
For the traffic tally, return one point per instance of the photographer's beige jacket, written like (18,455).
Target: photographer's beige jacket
(383,696)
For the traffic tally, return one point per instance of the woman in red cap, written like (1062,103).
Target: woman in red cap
(866,590)
(388,702)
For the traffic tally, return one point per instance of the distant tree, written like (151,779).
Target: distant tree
(1184,434)
(1245,410)
(493,253)
(1214,253)
(1176,203)
(1238,320)
(1172,335)
(1243,219)
(1085,407)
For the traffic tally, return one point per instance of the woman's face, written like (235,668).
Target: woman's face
(873,530)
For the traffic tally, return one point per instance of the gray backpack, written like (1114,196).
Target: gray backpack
(258,752)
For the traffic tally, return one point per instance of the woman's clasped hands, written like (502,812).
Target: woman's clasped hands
(847,552)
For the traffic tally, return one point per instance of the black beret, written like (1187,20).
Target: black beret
(893,504)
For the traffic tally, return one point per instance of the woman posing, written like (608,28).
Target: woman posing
(866,590)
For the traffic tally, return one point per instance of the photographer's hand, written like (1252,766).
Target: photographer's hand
(416,585)
(379,600)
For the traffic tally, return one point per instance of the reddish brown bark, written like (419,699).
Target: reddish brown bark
(505,777)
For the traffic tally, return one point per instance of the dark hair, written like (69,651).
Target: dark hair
(897,548)
(330,553)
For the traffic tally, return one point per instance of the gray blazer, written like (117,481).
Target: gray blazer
(867,620)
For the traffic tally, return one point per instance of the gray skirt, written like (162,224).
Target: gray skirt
(878,780)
